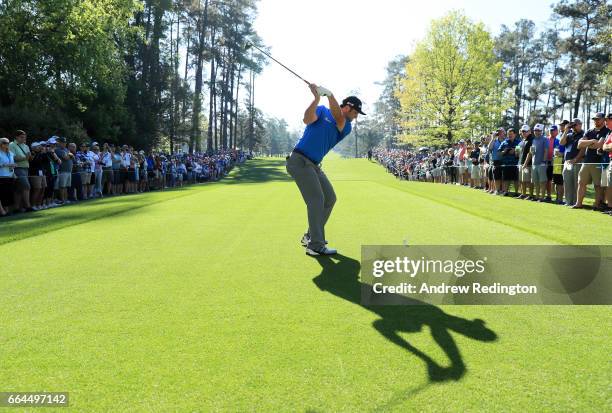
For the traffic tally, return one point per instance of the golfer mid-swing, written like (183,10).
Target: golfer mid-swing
(324,129)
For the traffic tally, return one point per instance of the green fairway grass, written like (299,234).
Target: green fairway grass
(201,299)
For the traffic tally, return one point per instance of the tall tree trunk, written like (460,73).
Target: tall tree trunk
(251,110)
(227,96)
(172,91)
(577,101)
(232,138)
(211,89)
(175,108)
(237,104)
(196,133)
(184,106)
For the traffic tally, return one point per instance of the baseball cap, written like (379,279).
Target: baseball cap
(565,122)
(354,102)
(94,143)
(461,141)
(525,128)
(501,129)
(577,120)
(52,140)
(35,144)
(553,127)
(4,140)
(61,139)
(599,115)
(538,126)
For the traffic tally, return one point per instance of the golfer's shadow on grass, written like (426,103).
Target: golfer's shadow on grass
(340,277)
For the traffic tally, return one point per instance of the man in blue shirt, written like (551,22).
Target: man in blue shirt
(496,157)
(325,127)
(537,155)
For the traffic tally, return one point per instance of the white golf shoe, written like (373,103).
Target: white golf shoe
(306,239)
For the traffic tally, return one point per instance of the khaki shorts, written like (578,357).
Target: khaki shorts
(476,173)
(64,180)
(538,174)
(38,182)
(525,174)
(606,176)
(85,178)
(589,174)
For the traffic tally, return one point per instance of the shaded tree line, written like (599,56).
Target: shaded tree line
(175,73)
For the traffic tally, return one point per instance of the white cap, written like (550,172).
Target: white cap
(539,127)
(35,144)
(525,128)
(52,140)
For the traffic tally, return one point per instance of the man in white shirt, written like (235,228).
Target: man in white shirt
(96,165)
(126,158)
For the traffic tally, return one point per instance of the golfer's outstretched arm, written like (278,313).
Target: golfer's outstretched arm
(310,115)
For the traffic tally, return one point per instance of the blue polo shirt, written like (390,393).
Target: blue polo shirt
(495,153)
(322,135)
(508,159)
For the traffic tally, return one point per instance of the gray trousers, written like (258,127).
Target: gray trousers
(318,195)
(570,182)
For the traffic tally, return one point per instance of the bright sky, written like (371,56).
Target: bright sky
(346,45)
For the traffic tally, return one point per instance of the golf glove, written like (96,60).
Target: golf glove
(323,92)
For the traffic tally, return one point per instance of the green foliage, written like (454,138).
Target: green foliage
(110,68)
(452,84)
(278,139)
(61,61)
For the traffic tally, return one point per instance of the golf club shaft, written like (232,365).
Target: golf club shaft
(305,81)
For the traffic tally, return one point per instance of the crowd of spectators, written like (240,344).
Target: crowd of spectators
(50,173)
(529,164)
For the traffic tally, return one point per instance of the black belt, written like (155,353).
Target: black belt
(296,150)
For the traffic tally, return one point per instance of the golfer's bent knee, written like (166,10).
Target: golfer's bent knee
(330,201)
